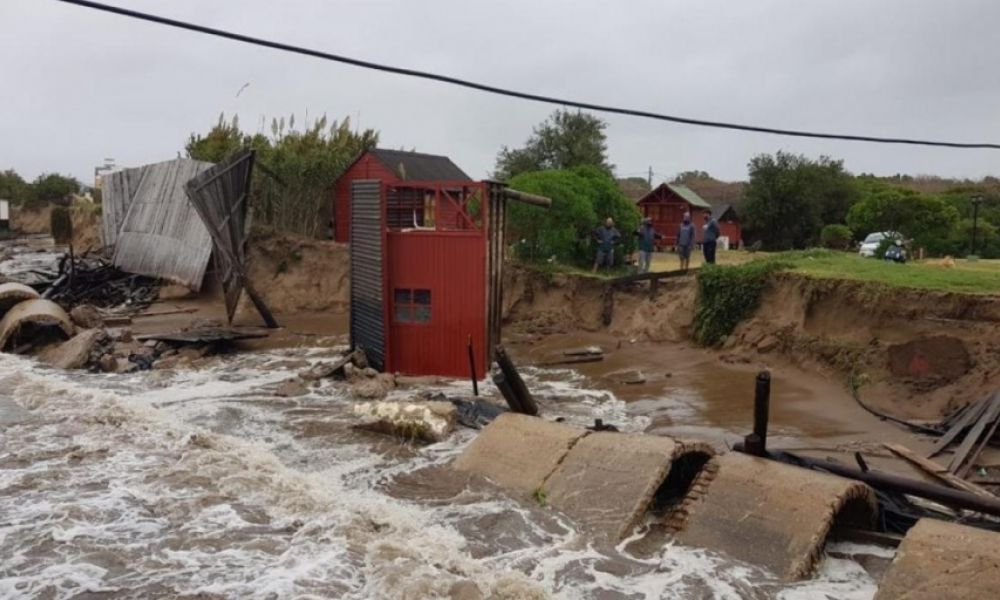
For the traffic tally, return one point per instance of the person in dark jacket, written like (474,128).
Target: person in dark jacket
(685,242)
(647,235)
(607,236)
(710,239)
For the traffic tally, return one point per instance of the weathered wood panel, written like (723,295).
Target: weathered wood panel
(162,234)
(117,193)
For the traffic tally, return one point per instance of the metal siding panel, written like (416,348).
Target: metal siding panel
(367,295)
(452,266)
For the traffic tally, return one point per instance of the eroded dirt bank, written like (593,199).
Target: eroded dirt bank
(914,353)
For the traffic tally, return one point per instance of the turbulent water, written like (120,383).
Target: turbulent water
(204,484)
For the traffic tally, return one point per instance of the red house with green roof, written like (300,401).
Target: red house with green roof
(666,205)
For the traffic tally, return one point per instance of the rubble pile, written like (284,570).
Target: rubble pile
(92,280)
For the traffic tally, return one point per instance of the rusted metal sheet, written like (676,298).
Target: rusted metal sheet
(12,293)
(39,313)
(368,272)
(162,234)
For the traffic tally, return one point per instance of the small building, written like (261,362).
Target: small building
(4,216)
(390,167)
(729,224)
(426,273)
(666,205)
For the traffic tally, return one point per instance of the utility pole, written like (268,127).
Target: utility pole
(650,179)
(976,200)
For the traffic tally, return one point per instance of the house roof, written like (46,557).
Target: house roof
(720,210)
(686,193)
(416,166)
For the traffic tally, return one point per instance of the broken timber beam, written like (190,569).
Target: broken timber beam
(937,471)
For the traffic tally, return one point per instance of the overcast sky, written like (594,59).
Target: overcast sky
(78,85)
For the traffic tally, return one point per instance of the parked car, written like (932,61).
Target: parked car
(871,243)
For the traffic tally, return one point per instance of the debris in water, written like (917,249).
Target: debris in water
(425,421)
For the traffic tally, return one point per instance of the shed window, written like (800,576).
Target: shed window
(412,306)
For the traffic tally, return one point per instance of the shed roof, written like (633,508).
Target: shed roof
(416,166)
(686,193)
(720,210)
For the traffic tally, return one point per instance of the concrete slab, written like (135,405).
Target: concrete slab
(518,452)
(607,480)
(769,514)
(75,353)
(943,561)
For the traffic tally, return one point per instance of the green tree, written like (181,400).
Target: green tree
(835,236)
(928,220)
(298,167)
(581,199)
(13,187)
(52,187)
(566,139)
(790,197)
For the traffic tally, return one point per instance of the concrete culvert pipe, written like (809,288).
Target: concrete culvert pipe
(12,293)
(34,321)
(770,514)
(604,481)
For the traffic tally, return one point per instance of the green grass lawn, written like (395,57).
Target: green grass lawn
(978,277)
(964,276)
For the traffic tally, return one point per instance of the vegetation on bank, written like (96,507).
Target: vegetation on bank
(45,189)
(296,170)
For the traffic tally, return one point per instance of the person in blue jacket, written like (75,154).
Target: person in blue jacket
(685,242)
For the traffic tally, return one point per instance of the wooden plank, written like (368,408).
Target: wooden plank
(973,436)
(964,471)
(970,416)
(937,471)
(654,275)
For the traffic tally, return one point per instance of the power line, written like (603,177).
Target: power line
(512,93)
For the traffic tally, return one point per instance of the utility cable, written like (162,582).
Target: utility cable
(512,93)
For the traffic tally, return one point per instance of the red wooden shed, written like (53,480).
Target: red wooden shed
(392,167)
(666,205)
(426,273)
(729,223)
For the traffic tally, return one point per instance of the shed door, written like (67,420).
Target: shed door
(367,286)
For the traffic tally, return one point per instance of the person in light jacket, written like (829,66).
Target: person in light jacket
(685,242)
(647,235)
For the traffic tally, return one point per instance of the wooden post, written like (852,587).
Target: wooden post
(524,399)
(472,369)
(756,442)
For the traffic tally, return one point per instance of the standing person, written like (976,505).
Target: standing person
(710,239)
(647,235)
(607,236)
(685,241)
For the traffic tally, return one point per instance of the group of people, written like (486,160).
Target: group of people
(607,236)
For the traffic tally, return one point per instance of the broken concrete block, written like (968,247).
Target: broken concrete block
(770,514)
(426,421)
(86,316)
(943,561)
(108,363)
(518,452)
(291,388)
(373,388)
(75,353)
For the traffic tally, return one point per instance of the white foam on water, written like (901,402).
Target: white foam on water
(160,484)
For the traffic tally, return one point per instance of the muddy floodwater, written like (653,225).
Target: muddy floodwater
(202,483)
